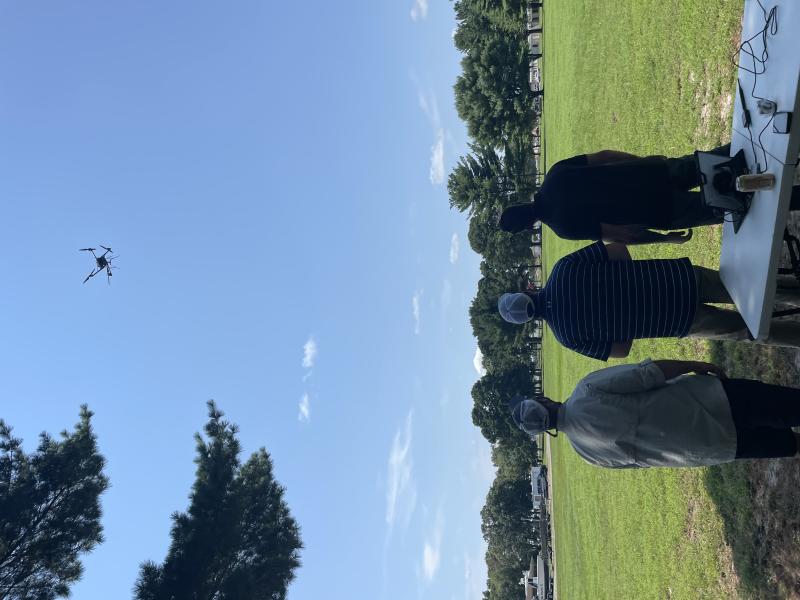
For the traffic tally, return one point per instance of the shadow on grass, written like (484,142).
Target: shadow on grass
(759,500)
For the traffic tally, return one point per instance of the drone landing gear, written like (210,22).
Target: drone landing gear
(793,246)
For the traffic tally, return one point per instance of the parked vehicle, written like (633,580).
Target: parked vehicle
(539,484)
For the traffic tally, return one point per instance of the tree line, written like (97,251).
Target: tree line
(236,541)
(493,97)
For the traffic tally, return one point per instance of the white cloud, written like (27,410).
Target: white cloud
(429,106)
(454,248)
(309,353)
(415,299)
(401,490)
(447,294)
(437,159)
(423,101)
(432,550)
(430,560)
(477,362)
(304,408)
(419,10)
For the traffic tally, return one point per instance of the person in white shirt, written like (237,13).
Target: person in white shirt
(659,414)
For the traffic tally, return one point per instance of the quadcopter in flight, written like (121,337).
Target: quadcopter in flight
(101,262)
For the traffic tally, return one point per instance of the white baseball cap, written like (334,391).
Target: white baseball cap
(515,308)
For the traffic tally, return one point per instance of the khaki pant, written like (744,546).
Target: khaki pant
(712,322)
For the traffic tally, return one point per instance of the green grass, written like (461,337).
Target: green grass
(648,77)
(635,534)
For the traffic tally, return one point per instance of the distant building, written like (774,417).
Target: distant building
(538,386)
(537,579)
(538,484)
(535,43)
(534,81)
(533,14)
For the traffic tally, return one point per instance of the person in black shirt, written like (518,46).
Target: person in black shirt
(617,197)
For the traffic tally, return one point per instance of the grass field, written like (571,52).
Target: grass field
(656,77)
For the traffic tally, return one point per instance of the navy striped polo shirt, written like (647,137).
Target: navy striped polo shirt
(590,302)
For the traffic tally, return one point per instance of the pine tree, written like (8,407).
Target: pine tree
(49,510)
(237,540)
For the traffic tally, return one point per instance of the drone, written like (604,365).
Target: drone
(102,262)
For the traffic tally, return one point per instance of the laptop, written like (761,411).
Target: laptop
(718,184)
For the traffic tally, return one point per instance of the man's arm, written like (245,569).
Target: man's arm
(636,234)
(608,156)
(618,252)
(675,368)
(620,349)
(626,379)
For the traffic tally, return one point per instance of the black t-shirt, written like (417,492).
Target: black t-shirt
(576,197)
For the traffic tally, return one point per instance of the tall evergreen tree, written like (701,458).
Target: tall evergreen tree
(237,541)
(49,510)
(478,181)
(477,17)
(492,94)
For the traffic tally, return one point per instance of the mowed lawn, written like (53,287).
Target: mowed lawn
(648,77)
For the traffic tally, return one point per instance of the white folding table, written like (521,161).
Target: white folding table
(749,260)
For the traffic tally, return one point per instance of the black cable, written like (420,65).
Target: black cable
(763,129)
(759,68)
(770,28)
(753,145)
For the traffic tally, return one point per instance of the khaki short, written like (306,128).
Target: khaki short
(715,323)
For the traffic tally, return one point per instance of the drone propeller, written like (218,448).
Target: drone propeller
(86,249)
(106,249)
(90,275)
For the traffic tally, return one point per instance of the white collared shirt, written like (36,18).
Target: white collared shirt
(629,416)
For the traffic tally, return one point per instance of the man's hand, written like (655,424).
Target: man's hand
(636,234)
(704,368)
(676,368)
(678,237)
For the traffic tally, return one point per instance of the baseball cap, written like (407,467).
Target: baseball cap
(515,308)
(516,218)
(529,415)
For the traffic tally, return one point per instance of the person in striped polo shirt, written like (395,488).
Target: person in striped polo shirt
(597,301)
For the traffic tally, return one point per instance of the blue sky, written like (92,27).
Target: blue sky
(273,178)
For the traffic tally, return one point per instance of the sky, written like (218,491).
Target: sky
(273,179)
